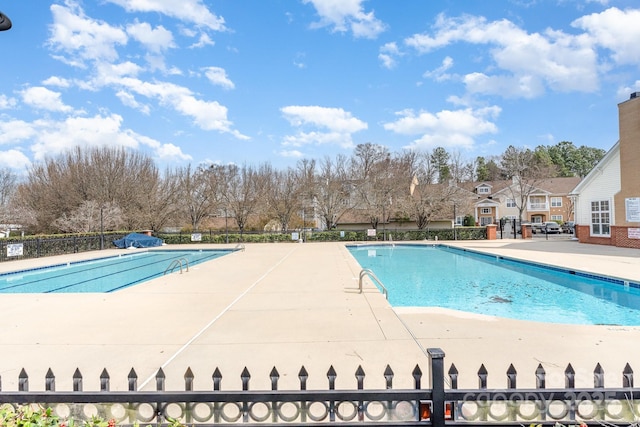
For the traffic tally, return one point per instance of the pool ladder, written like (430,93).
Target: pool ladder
(368,272)
(175,263)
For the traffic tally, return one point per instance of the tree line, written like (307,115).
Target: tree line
(105,188)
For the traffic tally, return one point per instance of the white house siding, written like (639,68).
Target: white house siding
(604,182)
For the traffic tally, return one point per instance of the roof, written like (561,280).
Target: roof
(597,169)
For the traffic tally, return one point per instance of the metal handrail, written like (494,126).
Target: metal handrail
(175,263)
(240,246)
(372,276)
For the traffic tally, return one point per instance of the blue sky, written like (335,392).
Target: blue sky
(247,81)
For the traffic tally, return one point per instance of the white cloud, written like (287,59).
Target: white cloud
(552,59)
(50,137)
(207,115)
(616,30)
(57,81)
(335,126)
(14,159)
(291,153)
(203,40)
(624,92)
(42,98)
(171,152)
(191,11)
(449,129)
(130,101)
(347,15)
(507,86)
(218,76)
(15,131)
(334,119)
(388,54)
(156,39)
(82,37)
(6,102)
(440,73)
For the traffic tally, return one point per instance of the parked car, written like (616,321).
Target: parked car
(550,227)
(568,227)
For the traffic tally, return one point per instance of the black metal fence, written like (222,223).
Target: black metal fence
(35,247)
(436,405)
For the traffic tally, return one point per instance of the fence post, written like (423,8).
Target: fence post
(436,373)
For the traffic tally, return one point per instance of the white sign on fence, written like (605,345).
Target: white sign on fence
(633,233)
(371,232)
(196,237)
(15,249)
(295,236)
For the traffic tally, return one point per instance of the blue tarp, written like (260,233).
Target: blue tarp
(137,240)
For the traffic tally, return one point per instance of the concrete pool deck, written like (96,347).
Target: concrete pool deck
(289,305)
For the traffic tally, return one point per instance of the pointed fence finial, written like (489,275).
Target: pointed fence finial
(331,375)
(360,377)
(188,379)
(104,380)
(540,376)
(49,381)
(23,381)
(482,377)
(303,375)
(417,377)
(133,380)
(274,376)
(569,377)
(217,379)
(627,377)
(160,380)
(245,376)
(511,376)
(453,376)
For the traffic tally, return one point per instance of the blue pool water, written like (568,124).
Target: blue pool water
(438,276)
(104,274)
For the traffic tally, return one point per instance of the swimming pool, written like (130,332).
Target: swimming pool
(440,276)
(107,274)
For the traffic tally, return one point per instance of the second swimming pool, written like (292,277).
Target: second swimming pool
(438,276)
(106,274)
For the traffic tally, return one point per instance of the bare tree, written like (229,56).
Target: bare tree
(282,195)
(434,201)
(382,181)
(199,193)
(371,169)
(333,190)
(105,175)
(89,217)
(243,187)
(8,185)
(526,173)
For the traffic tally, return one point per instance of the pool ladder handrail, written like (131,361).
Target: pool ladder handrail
(240,246)
(372,276)
(175,263)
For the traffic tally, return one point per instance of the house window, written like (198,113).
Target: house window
(556,202)
(600,218)
(556,218)
(511,203)
(483,190)
(485,211)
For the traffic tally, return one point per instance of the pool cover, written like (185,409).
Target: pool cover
(137,240)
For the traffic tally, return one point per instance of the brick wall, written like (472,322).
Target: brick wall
(582,233)
(619,237)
